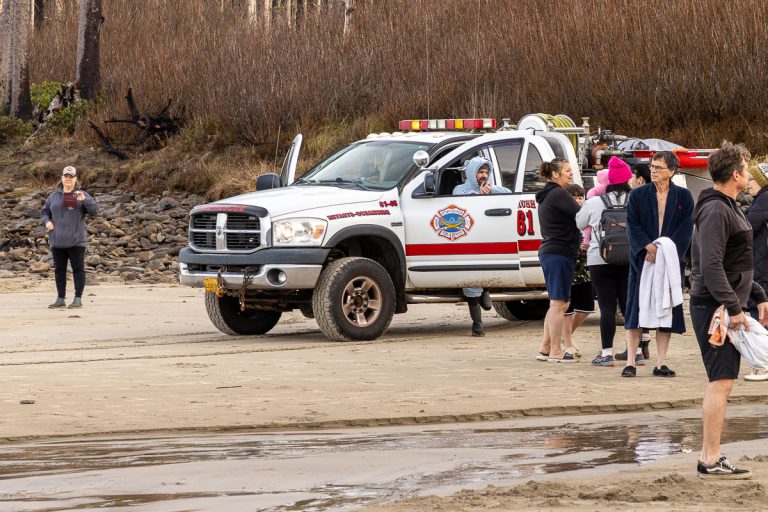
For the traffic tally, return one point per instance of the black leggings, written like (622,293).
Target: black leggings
(610,283)
(76,258)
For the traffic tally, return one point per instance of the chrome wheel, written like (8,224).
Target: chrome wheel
(361,301)
(354,299)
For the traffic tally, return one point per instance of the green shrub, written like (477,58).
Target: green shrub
(11,128)
(43,93)
(67,118)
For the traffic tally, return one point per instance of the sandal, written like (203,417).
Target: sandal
(542,356)
(567,357)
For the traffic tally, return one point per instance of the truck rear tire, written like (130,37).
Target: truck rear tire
(522,309)
(226,316)
(354,300)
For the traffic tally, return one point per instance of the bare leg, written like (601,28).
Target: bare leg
(715,401)
(571,323)
(568,330)
(662,345)
(554,323)
(578,319)
(633,341)
(546,342)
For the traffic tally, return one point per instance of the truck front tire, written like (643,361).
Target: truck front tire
(354,300)
(226,316)
(522,309)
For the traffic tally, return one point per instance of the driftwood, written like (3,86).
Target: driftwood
(154,128)
(110,148)
(66,96)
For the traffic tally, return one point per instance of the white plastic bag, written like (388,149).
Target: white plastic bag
(752,344)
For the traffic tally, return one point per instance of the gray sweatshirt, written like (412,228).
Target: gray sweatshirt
(68,223)
(589,216)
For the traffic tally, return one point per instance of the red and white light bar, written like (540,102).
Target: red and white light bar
(416,125)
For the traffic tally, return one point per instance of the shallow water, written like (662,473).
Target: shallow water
(338,470)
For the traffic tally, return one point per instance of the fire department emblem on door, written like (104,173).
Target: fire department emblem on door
(452,222)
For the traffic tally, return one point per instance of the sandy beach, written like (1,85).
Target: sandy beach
(145,359)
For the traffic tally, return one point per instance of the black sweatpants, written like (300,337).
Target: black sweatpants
(610,284)
(76,258)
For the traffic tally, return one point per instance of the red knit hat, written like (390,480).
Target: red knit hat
(618,171)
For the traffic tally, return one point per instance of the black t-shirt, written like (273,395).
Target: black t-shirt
(557,216)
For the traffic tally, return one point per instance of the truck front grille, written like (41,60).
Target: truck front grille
(204,221)
(242,241)
(231,232)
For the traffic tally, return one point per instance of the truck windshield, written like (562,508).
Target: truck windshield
(376,165)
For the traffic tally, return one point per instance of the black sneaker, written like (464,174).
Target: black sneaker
(621,356)
(629,371)
(664,371)
(722,469)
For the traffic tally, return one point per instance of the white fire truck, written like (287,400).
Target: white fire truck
(375,227)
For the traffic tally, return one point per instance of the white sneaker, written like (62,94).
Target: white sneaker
(757,375)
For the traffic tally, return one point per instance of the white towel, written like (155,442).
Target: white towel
(661,287)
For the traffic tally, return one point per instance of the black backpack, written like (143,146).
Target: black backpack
(611,233)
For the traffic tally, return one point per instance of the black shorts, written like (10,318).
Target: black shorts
(582,299)
(723,362)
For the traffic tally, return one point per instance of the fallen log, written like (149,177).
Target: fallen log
(108,146)
(155,128)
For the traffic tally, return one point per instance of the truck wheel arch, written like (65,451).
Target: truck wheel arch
(383,239)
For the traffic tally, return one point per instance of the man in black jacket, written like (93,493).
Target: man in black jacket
(722,274)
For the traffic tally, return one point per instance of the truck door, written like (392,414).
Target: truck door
(463,240)
(288,171)
(527,228)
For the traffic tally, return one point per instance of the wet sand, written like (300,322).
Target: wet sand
(562,462)
(670,485)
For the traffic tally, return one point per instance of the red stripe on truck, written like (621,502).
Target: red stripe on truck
(453,249)
(481,248)
(529,245)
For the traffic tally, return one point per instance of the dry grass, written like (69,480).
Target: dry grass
(692,71)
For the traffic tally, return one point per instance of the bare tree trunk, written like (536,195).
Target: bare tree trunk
(267,14)
(349,8)
(300,8)
(5,58)
(18,58)
(38,6)
(289,13)
(88,72)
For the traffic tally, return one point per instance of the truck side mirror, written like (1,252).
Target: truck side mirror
(267,181)
(421,158)
(429,183)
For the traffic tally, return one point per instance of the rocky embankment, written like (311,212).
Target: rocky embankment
(135,238)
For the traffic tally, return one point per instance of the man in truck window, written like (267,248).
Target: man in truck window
(479,172)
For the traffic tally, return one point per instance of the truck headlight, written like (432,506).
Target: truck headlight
(298,232)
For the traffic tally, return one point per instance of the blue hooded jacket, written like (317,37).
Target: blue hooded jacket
(471,186)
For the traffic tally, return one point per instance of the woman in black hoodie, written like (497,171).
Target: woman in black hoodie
(558,251)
